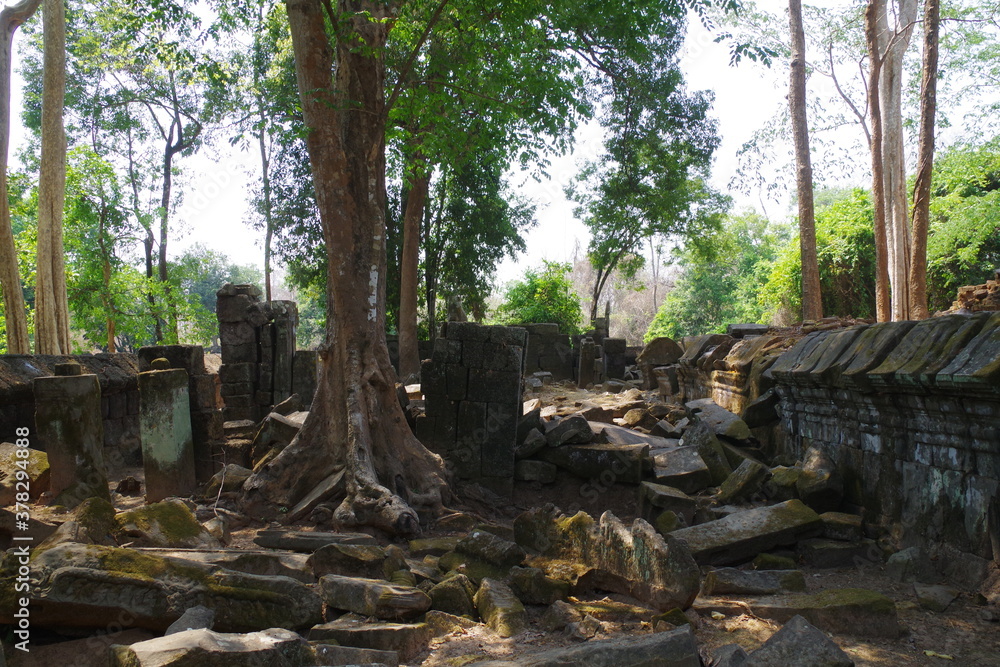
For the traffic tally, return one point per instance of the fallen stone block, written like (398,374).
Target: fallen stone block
(730,581)
(681,468)
(935,597)
(781,485)
(195,618)
(619,435)
(349,560)
(533,443)
(701,437)
(268,648)
(744,482)
(611,464)
(454,596)
(655,498)
(432,546)
(799,643)
(499,608)
(330,654)
(372,597)
(266,563)
(634,560)
(165,524)
(407,640)
(842,526)
(719,420)
(821,553)
(531,586)
(36,467)
(675,648)
(306,541)
(570,430)
(730,655)
(91,586)
(491,548)
(741,536)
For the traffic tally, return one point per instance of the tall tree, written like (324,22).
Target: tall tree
(925,165)
(51,306)
(357,421)
(11,16)
(887,42)
(812,300)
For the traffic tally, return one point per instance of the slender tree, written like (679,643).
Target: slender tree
(812,301)
(11,16)
(883,310)
(925,165)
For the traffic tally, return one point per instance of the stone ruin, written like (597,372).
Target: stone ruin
(746,465)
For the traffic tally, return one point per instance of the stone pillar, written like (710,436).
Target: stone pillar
(614,358)
(206,402)
(472,385)
(69,428)
(240,349)
(585,370)
(286,319)
(165,424)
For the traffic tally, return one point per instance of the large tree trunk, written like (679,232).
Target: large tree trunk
(883,311)
(409,349)
(812,302)
(51,306)
(10,279)
(925,166)
(356,422)
(891,44)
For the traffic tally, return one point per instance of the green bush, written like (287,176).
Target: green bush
(543,296)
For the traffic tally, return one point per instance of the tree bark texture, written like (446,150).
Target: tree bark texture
(812,302)
(925,164)
(51,304)
(416,200)
(18,342)
(892,42)
(356,422)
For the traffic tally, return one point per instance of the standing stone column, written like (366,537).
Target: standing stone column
(165,425)
(69,428)
(585,371)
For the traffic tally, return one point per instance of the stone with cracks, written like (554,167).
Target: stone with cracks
(92,586)
(740,536)
(492,549)
(195,618)
(267,563)
(634,560)
(166,524)
(682,468)
(800,643)
(719,420)
(274,647)
(307,541)
(349,560)
(372,597)
(330,654)
(454,596)
(675,648)
(500,608)
(701,437)
(532,586)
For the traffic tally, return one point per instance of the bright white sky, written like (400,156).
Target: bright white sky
(745,97)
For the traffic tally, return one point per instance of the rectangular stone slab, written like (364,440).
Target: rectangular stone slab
(408,640)
(305,541)
(681,468)
(611,464)
(741,536)
(268,563)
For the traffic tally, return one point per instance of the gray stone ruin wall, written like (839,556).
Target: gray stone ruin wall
(119,399)
(258,352)
(909,411)
(472,391)
(205,401)
(550,351)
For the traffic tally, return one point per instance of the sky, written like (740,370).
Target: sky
(214,208)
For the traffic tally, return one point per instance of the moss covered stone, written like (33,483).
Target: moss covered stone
(166,524)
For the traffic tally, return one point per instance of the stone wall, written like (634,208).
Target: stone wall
(258,349)
(117,375)
(550,351)
(909,411)
(472,392)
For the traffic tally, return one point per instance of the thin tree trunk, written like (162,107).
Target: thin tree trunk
(925,166)
(18,342)
(51,307)
(409,349)
(812,302)
(357,423)
(265,166)
(170,321)
(106,299)
(883,312)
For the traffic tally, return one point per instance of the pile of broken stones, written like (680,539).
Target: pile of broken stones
(718,533)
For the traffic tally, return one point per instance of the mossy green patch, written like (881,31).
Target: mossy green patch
(853,597)
(172,519)
(615,612)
